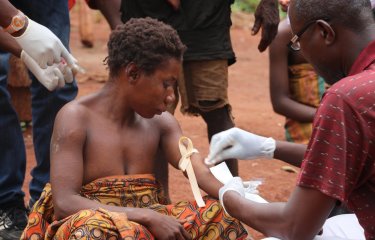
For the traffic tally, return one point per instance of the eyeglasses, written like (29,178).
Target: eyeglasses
(294,42)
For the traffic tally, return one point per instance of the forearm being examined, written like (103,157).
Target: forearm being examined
(206,181)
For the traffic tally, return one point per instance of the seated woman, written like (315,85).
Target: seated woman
(103,148)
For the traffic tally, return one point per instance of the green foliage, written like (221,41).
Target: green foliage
(245,5)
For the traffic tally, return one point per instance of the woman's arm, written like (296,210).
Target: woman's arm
(282,102)
(171,134)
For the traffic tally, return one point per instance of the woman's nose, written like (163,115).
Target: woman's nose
(170,98)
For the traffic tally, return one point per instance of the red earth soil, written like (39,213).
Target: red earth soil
(248,94)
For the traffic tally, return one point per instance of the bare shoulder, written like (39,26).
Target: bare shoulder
(73,111)
(284,33)
(166,122)
(70,120)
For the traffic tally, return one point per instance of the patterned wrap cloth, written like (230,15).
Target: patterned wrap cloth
(306,87)
(140,191)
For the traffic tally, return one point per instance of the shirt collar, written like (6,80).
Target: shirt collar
(364,60)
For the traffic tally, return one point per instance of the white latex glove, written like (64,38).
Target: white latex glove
(53,76)
(235,184)
(44,47)
(240,144)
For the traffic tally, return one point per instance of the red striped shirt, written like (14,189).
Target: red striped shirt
(340,158)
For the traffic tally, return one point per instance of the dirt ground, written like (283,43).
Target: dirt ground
(248,94)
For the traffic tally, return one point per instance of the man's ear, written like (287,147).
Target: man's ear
(326,32)
(132,72)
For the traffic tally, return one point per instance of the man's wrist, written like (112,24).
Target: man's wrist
(229,197)
(268,147)
(22,30)
(18,23)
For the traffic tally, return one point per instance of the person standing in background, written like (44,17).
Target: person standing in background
(295,87)
(204,27)
(53,15)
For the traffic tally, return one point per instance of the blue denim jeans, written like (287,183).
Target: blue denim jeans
(54,15)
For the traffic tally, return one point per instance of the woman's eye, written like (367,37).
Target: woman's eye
(167,84)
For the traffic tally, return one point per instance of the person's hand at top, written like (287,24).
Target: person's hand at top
(175,4)
(240,144)
(266,17)
(284,4)
(43,46)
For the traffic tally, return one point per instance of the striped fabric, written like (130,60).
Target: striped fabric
(340,158)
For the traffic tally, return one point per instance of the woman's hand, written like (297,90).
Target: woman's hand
(166,227)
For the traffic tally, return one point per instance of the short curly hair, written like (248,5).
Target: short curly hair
(145,42)
(356,15)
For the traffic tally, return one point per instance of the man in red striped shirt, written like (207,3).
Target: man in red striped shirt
(338,38)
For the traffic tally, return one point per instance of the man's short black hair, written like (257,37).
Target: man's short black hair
(144,41)
(354,14)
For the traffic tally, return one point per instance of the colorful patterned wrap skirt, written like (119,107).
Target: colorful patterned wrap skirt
(138,191)
(306,87)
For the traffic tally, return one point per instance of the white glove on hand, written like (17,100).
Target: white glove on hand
(237,143)
(235,184)
(43,46)
(53,76)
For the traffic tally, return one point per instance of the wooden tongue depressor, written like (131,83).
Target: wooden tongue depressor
(186,150)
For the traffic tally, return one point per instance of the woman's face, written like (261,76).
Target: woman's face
(156,91)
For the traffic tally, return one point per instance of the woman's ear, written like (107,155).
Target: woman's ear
(132,72)
(326,32)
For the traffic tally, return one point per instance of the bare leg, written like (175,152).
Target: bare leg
(219,120)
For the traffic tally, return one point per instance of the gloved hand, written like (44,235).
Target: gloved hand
(44,47)
(53,76)
(235,184)
(237,143)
